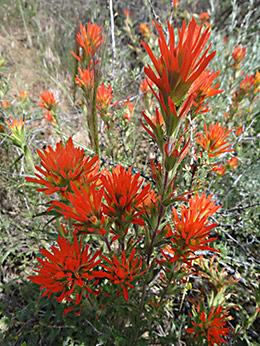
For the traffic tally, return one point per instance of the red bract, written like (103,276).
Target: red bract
(238,55)
(85,79)
(128,109)
(15,125)
(246,85)
(169,113)
(155,124)
(122,271)
(48,101)
(104,99)
(68,270)
(124,195)
(214,140)
(86,208)
(205,91)
(232,163)
(175,153)
(89,40)
(211,325)
(151,201)
(49,117)
(179,65)
(61,166)
(191,230)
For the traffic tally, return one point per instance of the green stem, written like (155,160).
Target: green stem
(94,122)
(150,251)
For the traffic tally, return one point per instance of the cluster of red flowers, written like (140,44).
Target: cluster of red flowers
(110,205)
(93,201)
(214,140)
(191,230)
(212,324)
(68,270)
(48,103)
(238,56)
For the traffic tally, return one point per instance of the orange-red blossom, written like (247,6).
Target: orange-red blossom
(68,270)
(214,140)
(48,100)
(191,229)
(212,325)
(89,40)
(179,65)
(238,55)
(85,79)
(123,271)
(104,99)
(61,166)
(124,195)
(85,209)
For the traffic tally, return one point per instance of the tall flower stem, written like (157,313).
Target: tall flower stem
(161,209)
(150,251)
(94,122)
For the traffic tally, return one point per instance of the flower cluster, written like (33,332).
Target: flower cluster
(104,99)
(49,104)
(191,229)
(68,270)
(214,140)
(123,271)
(142,234)
(89,40)
(238,56)
(211,324)
(179,66)
(61,166)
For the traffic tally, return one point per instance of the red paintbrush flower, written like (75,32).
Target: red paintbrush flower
(145,30)
(238,55)
(61,166)
(122,271)
(85,79)
(204,91)
(212,325)
(179,65)
(68,270)
(86,209)
(128,109)
(191,229)
(15,125)
(104,99)
(17,131)
(214,141)
(232,163)
(49,117)
(48,100)
(124,195)
(246,85)
(89,40)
